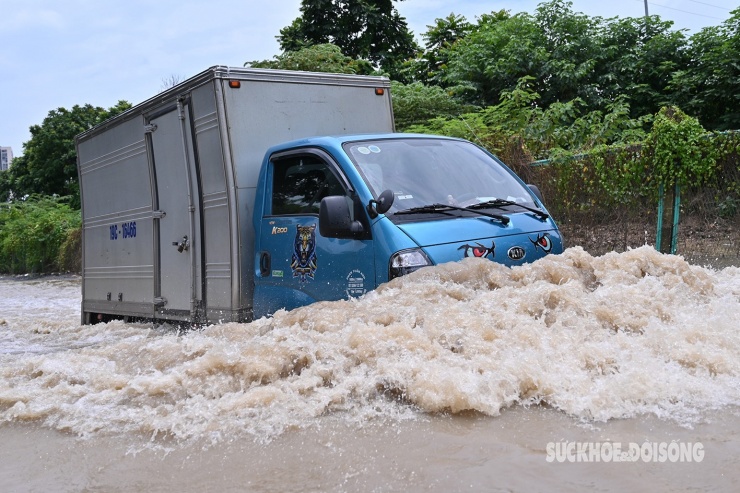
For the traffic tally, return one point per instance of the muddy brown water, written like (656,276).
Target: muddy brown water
(462,377)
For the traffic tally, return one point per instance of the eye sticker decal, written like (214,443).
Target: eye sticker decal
(542,241)
(477,250)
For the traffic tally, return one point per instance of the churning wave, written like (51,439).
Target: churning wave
(598,338)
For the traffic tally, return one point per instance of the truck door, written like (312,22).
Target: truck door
(296,265)
(176,246)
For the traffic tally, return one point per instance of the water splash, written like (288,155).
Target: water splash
(598,338)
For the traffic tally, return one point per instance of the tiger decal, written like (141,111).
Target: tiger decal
(303,262)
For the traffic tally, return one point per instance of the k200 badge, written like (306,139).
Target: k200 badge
(304,262)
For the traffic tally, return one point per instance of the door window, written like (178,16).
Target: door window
(299,183)
(297,264)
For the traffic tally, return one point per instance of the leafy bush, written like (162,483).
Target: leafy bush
(32,233)
(70,252)
(416,104)
(679,151)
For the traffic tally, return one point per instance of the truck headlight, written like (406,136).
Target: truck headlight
(406,262)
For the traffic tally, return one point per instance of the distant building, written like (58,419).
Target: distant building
(6,156)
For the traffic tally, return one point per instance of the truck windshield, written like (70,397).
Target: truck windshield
(423,171)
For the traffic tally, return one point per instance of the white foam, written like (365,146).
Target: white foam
(598,338)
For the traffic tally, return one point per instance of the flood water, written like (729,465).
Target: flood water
(461,377)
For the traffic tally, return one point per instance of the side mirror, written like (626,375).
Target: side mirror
(335,219)
(535,189)
(382,205)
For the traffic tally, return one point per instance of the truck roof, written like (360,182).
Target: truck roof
(224,72)
(338,140)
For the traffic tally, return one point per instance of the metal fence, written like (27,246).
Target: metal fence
(707,231)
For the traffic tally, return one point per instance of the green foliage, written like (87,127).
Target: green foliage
(493,58)
(48,165)
(727,146)
(569,56)
(709,84)
(316,58)
(416,104)
(586,94)
(362,29)
(728,207)
(32,232)
(578,65)
(606,176)
(518,128)
(601,158)
(678,150)
(637,60)
(70,251)
(427,65)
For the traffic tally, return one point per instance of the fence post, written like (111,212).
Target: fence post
(676,212)
(671,247)
(659,232)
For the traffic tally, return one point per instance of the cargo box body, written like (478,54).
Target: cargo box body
(168,187)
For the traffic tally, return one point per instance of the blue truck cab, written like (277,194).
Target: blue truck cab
(335,217)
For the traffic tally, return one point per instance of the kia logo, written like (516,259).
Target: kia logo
(516,253)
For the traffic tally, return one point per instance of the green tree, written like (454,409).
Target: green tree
(709,87)
(556,47)
(416,104)
(493,57)
(316,58)
(48,165)
(437,40)
(363,29)
(572,46)
(637,60)
(571,56)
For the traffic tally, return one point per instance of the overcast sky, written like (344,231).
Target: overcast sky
(59,53)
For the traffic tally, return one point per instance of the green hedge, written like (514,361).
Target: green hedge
(38,235)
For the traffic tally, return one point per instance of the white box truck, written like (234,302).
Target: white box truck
(242,191)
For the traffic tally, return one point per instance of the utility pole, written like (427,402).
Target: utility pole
(647,17)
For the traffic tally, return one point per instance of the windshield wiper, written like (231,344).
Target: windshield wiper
(502,202)
(444,208)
